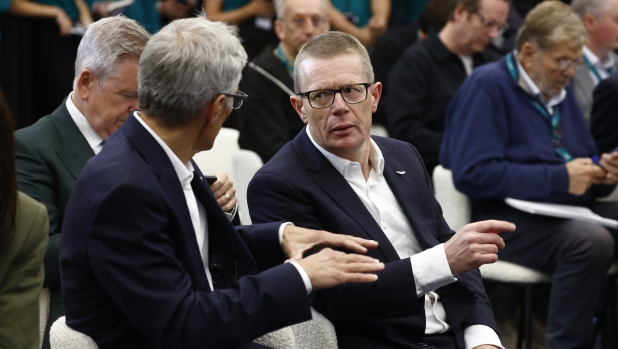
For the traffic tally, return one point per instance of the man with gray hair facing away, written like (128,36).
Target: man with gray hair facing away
(514,131)
(148,258)
(600,18)
(268,121)
(51,153)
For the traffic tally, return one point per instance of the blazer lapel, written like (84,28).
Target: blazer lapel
(404,190)
(152,152)
(75,150)
(338,189)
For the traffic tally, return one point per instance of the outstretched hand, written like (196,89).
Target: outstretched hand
(297,240)
(475,244)
(330,268)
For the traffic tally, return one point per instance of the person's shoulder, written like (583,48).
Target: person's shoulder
(282,162)
(44,127)
(493,73)
(31,217)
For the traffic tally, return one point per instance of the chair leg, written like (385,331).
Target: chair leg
(528,316)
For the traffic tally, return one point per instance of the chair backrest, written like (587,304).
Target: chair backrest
(318,333)
(245,164)
(379,130)
(456,207)
(62,336)
(44,298)
(220,156)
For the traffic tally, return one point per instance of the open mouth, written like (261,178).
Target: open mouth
(343,130)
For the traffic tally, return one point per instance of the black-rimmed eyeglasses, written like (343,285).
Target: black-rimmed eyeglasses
(351,94)
(237,98)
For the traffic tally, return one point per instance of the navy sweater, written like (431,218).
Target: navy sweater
(498,144)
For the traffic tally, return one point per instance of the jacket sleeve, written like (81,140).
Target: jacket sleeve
(406,104)
(271,198)
(603,121)
(21,286)
(34,178)
(135,261)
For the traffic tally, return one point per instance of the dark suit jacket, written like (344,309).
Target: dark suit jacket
(300,185)
(604,116)
(132,274)
(420,87)
(49,156)
(267,120)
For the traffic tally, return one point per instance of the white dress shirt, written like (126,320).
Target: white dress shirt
(468,63)
(430,267)
(196,210)
(602,66)
(93,139)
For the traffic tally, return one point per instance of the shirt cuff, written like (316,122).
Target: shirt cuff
(476,335)
(230,215)
(431,270)
(281,229)
(305,277)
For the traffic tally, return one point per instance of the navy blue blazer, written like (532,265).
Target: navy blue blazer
(300,185)
(132,275)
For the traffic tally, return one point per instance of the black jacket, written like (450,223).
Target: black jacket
(604,116)
(421,86)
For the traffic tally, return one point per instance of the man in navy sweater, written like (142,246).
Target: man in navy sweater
(514,130)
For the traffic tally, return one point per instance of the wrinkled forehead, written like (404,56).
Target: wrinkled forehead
(294,8)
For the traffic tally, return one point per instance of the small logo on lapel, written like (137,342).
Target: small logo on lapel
(400,172)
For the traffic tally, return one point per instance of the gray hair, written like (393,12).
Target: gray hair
(186,65)
(595,7)
(107,42)
(328,45)
(549,23)
(280,7)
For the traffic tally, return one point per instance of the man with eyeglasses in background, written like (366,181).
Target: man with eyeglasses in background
(600,18)
(513,130)
(334,176)
(267,121)
(429,73)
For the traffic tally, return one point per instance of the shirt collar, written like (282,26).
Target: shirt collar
(607,63)
(532,89)
(183,171)
(84,127)
(341,164)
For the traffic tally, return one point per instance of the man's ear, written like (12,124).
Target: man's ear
(217,107)
(297,103)
(526,55)
(590,22)
(459,13)
(279,29)
(84,83)
(376,93)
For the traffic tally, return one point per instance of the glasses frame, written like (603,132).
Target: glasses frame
(306,94)
(565,63)
(296,22)
(488,22)
(239,96)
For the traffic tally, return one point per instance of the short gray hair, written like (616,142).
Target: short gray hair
(594,7)
(550,23)
(107,42)
(328,45)
(185,65)
(280,7)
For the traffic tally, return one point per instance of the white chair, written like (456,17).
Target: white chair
(62,336)
(318,333)
(457,212)
(239,164)
(44,299)
(379,130)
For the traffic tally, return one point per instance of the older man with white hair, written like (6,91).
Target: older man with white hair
(148,258)
(514,131)
(268,120)
(600,18)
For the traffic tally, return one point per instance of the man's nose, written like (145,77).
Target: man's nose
(339,103)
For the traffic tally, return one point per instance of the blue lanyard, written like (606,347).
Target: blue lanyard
(553,120)
(594,70)
(285,61)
